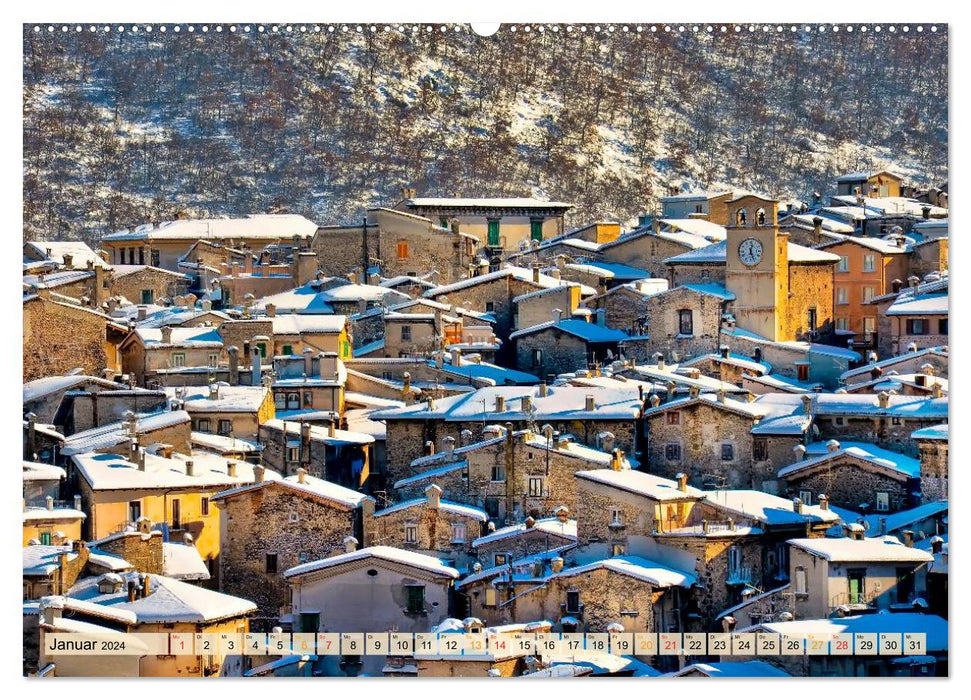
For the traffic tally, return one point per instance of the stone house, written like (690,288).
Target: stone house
(270,526)
(538,307)
(727,366)
(869,184)
(530,537)
(932,444)
(685,321)
(222,409)
(648,249)
(43,396)
(560,345)
(583,412)
(510,473)
(59,337)
(430,525)
(854,476)
(148,352)
(47,519)
(312,382)
(65,255)
(917,318)
(144,284)
(709,205)
(854,573)
(929,256)
(338,456)
(624,305)
(402,244)
(908,363)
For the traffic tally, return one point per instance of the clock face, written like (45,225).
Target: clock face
(750,251)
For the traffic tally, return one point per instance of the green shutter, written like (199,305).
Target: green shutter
(536,230)
(493,232)
(287,349)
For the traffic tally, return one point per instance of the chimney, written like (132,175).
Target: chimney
(817,229)
(704,526)
(694,391)
(913,280)
(449,446)
(659,360)
(883,525)
(823,501)
(530,522)
(536,274)
(231,469)
(908,538)
(682,480)
(374,279)
(562,513)
(256,361)
(456,357)
(800,451)
(213,392)
(556,565)
(301,475)
(807,404)
(527,404)
(166,335)
(190,468)
(429,447)
(434,495)
(722,395)
(69,259)
(233,353)
(132,592)
(617,460)
(655,400)
(543,390)
(725,351)
(77,501)
(206,305)
(924,210)
(601,317)
(912,347)
(937,544)
(796,505)
(589,402)
(331,429)
(833,446)
(883,399)
(270,309)
(406,390)
(146,586)
(49,502)
(500,404)
(350,544)
(259,471)
(557,316)
(937,390)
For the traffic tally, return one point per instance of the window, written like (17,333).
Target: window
(411,533)
(942,326)
(148,296)
(734,561)
(616,516)
(459,532)
(843,265)
(760,449)
(45,538)
(728,452)
(387,375)
(178,359)
(841,296)
(406,333)
(537,357)
(801,582)
(493,236)
(225,426)
(883,501)
(500,559)
(491,503)
(806,497)
(905,585)
(842,324)
(204,505)
(293,400)
(416,598)
(869,324)
(686,322)
(491,597)
(618,550)
(498,472)
(802,372)
(867,294)
(287,350)
(262,348)
(536,229)
(155,258)
(403,252)
(134,510)
(573,602)
(203,425)
(293,454)
(869,263)
(916,326)
(896,421)
(672,452)
(213,359)
(270,564)
(673,417)
(308,399)
(811,319)
(309,622)
(699,209)
(490,306)
(536,489)
(839,420)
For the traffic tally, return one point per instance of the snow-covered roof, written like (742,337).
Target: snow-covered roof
(901,519)
(223,444)
(806,221)
(311,485)
(636,567)
(671,373)
(182,337)
(431,473)
(389,554)
(733,359)
(446,506)
(41,513)
(520,273)
(229,399)
(818,455)
(589,332)
(169,601)
(933,626)
(486,203)
(893,206)
(183,562)
(698,227)
(938,351)
(877,244)
(266,226)
(934,432)
(36,471)
(924,305)
(112,434)
(744,408)
(486,371)
(46,386)
(80,251)
(857,405)
(766,508)
(552,525)
(42,560)
(608,270)
(297,324)
(320,433)
(870,549)
(656,488)
(734,669)
(560,403)
(112,472)
(716,253)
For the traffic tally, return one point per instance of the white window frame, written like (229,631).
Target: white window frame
(882,501)
(801,581)
(616,516)
(411,533)
(293,455)
(460,533)
(841,296)
(844,264)
(534,492)
(178,359)
(869,262)
(806,497)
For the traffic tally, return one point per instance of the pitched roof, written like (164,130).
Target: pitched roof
(586,331)
(312,486)
(885,459)
(551,525)
(717,252)
(112,434)
(486,203)
(267,226)
(445,506)
(112,472)
(656,488)
(388,554)
(766,508)
(520,273)
(847,549)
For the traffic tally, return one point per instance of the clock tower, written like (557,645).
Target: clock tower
(757,266)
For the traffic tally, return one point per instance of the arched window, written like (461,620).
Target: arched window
(760,217)
(740,217)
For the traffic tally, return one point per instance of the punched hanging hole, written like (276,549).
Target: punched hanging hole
(485,28)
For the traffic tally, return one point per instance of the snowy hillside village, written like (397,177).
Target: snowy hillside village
(460,415)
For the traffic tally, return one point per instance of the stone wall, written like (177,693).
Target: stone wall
(58,338)
(141,550)
(161,283)
(933,470)
(849,483)
(559,352)
(434,530)
(810,286)
(663,322)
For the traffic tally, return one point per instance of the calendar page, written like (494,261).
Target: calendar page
(437,349)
